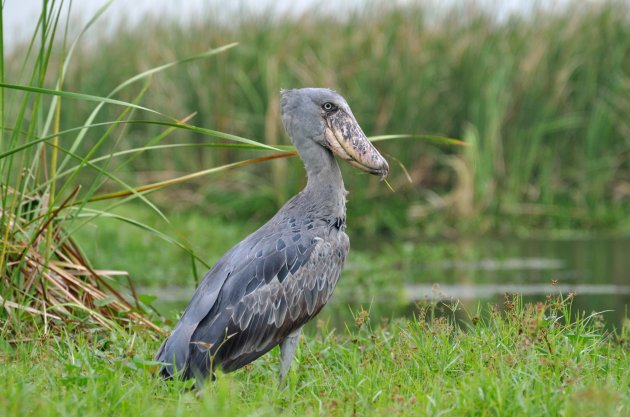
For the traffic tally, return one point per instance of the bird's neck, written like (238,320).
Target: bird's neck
(325,184)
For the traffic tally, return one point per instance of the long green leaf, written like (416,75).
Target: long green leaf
(80,96)
(133,79)
(251,144)
(163,184)
(67,58)
(130,190)
(428,138)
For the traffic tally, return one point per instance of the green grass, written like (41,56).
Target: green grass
(525,360)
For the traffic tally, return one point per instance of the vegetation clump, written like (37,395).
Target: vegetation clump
(53,178)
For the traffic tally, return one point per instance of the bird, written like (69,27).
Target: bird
(266,288)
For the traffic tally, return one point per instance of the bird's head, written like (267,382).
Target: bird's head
(324,117)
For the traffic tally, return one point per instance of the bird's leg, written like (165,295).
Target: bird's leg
(287,351)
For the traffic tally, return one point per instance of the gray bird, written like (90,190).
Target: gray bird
(264,289)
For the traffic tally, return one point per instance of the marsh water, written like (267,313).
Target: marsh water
(479,272)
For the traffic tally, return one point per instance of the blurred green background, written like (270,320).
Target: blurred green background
(541,99)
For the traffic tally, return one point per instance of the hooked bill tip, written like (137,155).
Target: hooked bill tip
(346,139)
(383,172)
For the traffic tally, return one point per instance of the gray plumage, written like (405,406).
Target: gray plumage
(263,290)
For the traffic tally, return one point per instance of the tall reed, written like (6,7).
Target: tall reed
(543,100)
(57,166)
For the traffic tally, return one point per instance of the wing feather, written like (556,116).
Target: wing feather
(254,297)
(281,307)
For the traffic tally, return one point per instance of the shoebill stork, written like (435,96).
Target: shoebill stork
(264,289)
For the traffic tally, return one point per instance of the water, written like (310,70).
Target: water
(477,272)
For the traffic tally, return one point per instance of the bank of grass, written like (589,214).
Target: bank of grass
(516,360)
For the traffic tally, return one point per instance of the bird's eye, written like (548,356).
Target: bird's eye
(329,107)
